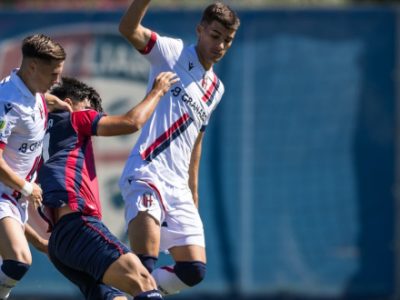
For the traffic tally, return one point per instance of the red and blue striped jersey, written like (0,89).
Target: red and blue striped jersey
(68,175)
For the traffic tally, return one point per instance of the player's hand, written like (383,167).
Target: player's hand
(35,197)
(55,103)
(164,81)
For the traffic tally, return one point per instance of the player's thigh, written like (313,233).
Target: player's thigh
(90,287)
(129,275)
(13,241)
(144,234)
(188,253)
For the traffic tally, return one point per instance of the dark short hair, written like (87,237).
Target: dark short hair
(77,91)
(221,13)
(43,47)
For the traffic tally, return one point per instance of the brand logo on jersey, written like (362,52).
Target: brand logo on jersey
(7,107)
(147,200)
(191,65)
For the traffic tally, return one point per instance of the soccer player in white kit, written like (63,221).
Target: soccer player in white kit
(23,122)
(160,179)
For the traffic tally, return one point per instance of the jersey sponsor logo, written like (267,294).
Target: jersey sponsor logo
(30,147)
(180,92)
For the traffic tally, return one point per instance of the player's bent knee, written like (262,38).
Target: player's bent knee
(190,272)
(14,269)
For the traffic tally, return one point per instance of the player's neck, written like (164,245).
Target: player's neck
(207,65)
(25,79)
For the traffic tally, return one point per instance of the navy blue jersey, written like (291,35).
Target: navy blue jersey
(68,175)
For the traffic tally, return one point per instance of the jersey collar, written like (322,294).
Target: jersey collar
(17,81)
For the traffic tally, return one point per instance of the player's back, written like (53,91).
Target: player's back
(68,175)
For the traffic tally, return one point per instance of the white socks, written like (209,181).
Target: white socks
(6,284)
(167,281)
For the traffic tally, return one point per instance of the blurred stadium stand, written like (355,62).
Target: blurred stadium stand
(299,178)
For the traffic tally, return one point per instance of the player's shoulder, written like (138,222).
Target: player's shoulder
(172,43)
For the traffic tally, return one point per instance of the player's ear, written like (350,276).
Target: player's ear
(199,29)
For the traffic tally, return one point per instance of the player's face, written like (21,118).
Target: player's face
(214,40)
(46,75)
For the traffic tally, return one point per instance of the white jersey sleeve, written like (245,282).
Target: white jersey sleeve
(163,50)
(8,120)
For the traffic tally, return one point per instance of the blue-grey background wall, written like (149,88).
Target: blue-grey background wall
(298,169)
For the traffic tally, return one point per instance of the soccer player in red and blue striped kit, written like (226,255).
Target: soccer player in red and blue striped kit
(80,245)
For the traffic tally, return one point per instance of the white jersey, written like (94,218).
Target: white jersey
(23,121)
(164,147)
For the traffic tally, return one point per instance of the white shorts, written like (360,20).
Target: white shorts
(13,209)
(173,208)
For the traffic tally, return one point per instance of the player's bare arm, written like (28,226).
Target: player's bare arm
(54,103)
(135,118)
(35,239)
(194,168)
(30,190)
(130,26)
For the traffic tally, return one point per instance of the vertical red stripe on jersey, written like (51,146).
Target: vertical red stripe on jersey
(69,179)
(163,137)
(150,43)
(46,112)
(211,89)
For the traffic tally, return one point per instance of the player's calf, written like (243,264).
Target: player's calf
(171,280)
(11,272)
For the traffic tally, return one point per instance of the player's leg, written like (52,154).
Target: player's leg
(89,287)
(128,274)
(144,211)
(72,253)
(86,244)
(144,238)
(15,253)
(14,247)
(188,271)
(183,235)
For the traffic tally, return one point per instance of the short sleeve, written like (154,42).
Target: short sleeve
(8,120)
(85,121)
(161,49)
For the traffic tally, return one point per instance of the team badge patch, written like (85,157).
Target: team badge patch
(2,124)
(147,201)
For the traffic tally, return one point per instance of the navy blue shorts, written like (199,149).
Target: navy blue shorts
(82,248)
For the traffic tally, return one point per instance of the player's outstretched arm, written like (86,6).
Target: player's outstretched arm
(54,103)
(130,25)
(135,118)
